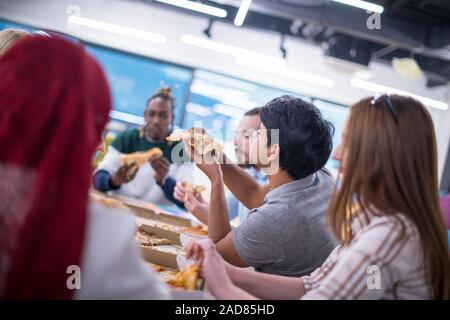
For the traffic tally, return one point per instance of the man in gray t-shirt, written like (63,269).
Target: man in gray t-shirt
(287,234)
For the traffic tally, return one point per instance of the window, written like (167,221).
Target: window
(133,79)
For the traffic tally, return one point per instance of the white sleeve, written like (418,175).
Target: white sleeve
(112,267)
(111,162)
(183,172)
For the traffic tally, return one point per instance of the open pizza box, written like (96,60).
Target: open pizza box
(151,211)
(161,258)
(178,236)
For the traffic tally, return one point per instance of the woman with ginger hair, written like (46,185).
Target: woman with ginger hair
(55,102)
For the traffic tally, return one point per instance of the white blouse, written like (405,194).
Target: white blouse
(378,264)
(111,266)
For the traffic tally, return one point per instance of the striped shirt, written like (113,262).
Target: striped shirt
(377,264)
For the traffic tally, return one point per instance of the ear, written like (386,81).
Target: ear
(274,152)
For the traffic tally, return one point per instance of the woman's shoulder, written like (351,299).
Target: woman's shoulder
(112,267)
(109,229)
(388,233)
(397,222)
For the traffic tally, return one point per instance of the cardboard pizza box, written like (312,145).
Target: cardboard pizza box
(164,259)
(177,237)
(151,211)
(143,209)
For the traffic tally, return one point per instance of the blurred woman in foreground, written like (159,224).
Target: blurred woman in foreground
(54,243)
(385,214)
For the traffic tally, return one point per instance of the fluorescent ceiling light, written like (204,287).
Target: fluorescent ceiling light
(196,6)
(198,109)
(242,12)
(288,72)
(378,88)
(362,5)
(233,51)
(114,28)
(257,60)
(228,110)
(127,117)
(235,98)
(225,81)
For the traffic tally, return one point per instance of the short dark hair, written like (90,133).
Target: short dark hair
(253,112)
(305,137)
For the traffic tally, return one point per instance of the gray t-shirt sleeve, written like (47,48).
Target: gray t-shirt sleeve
(254,241)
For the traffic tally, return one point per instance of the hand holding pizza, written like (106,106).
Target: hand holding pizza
(213,266)
(125,174)
(161,166)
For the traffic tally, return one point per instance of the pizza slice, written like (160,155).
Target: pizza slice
(186,279)
(141,157)
(194,188)
(200,230)
(200,141)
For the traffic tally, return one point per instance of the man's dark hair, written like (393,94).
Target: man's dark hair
(253,112)
(305,137)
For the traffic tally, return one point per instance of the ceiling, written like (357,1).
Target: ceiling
(418,28)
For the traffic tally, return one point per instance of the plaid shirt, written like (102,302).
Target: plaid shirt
(378,264)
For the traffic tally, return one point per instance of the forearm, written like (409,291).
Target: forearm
(218,223)
(265,286)
(201,215)
(242,185)
(233,293)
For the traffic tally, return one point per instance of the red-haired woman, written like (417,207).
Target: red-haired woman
(54,243)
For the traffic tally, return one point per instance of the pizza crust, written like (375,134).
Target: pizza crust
(140,157)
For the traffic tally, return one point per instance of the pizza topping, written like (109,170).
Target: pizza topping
(199,140)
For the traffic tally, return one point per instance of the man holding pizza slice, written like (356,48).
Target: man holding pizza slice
(139,161)
(284,232)
(198,206)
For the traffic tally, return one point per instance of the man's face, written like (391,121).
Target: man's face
(340,153)
(247,126)
(158,116)
(259,151)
